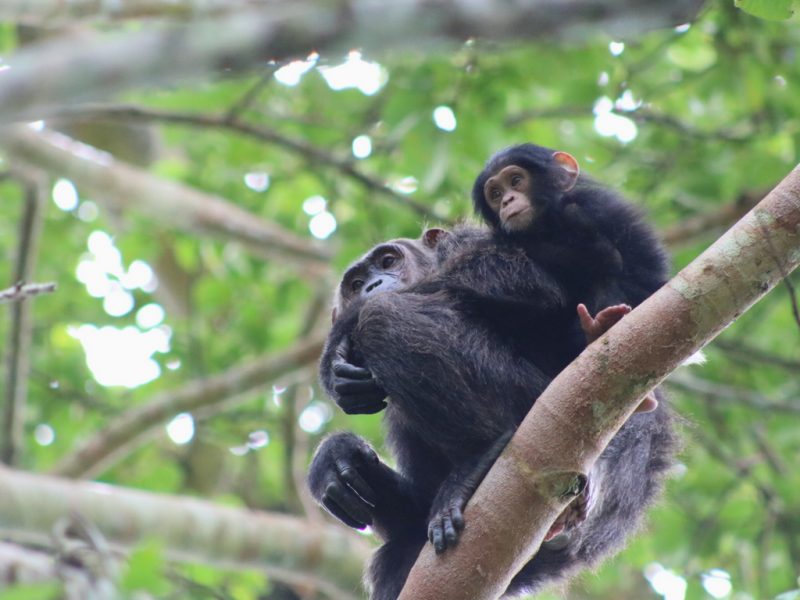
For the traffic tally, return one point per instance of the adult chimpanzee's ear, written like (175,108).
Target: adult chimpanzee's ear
(567,170)
(431,237)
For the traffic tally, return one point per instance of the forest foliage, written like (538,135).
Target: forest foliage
(694,123)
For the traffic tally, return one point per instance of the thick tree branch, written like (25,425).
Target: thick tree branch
(301,147)
(128,188)
(131,428)
(107,64)
(191,530)
(19,339)
(576,416)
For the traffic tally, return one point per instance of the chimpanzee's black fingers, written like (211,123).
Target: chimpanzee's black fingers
(361,387)
(360,405)
(353,479)
(350,371)
(450,533)
(346,506)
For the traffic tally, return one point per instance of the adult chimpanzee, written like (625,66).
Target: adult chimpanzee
(457,388)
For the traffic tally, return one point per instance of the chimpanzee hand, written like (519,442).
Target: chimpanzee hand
(338,478)
(356,391)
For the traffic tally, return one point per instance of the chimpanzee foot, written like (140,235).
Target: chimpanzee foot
(575,513)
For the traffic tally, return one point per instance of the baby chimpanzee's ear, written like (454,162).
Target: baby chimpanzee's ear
(566,170)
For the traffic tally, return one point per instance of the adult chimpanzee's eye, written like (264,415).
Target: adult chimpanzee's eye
(356,284)
(388,260)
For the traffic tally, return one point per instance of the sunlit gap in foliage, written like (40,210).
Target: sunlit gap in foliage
(257,181)
(616,48)
(256,440)
(362,146)
(120,356)
(322,223)
(405,185)
(608,124)
(665,583)
(292,73)
(445,118)
(355,72)
(65,197)
(181,429)
(277,392)
(44,434)
(315,416)
(717,583)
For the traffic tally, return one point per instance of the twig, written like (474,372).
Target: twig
(740,349)
(753,399)
(19,338)
(249,96)
(299,146)
(723,216)
(21,291)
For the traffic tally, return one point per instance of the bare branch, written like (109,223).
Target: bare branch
(299,146)
(729,393)
(524,491)
(22,291)
(191,530)
(131,428)
(19,339)
(128,188)
(107,64)
(741,350)
(57,12)
(708,223)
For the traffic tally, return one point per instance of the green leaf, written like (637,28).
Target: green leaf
(774,10)
(144,570)
(33,591)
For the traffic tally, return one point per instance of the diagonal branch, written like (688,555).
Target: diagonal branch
(132,427)
(524,491)
(128,188)
(299,146)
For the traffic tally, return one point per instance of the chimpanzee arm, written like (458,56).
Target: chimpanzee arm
(351,385)
(349,480)
(499,277)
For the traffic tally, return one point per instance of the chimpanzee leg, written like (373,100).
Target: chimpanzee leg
(348,479)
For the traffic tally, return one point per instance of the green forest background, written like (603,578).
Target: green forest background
(695,123)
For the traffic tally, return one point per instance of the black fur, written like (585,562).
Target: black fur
(444,350)
(592,241)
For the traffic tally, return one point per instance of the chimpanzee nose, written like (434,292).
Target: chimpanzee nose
(373,285)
